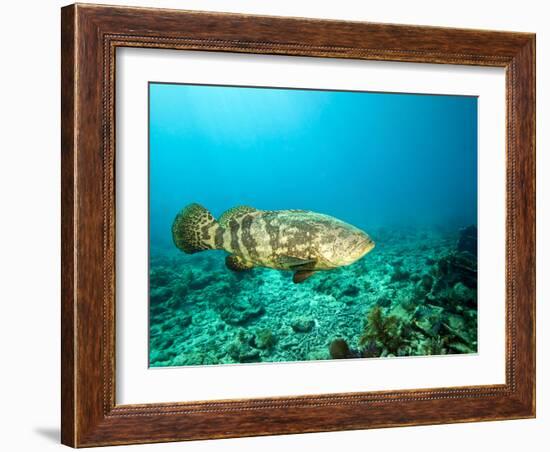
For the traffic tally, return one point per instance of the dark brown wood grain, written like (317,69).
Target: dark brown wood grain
(67,226)
(90,36)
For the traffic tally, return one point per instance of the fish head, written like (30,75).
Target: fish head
(349,244)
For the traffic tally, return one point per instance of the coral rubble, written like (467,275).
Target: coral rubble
(415,294)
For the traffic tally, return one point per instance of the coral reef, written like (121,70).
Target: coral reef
(303,324)
(242,312)
(241,349)
(467,240)
(415,294)
(264,338)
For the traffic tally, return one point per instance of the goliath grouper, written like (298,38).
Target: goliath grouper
(296,240)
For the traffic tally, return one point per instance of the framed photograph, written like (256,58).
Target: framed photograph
(281,225)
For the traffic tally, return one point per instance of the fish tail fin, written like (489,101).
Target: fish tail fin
(195,229)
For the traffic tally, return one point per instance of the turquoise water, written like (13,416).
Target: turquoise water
(401,167)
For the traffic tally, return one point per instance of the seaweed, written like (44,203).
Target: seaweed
(434,346)
(384,330)
(264,339)
(371,350)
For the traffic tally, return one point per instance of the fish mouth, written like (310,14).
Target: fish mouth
(363,247)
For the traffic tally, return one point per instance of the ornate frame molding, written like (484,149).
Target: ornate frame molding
(90,36)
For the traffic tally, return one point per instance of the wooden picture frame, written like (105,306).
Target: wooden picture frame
(90,36)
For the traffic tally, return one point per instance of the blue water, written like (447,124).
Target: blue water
(368,158)
(380,161)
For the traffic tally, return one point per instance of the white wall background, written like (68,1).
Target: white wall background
(29,229)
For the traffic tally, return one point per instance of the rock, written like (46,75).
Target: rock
(177,322)
(242,312)
(464,295)
(290,345)
(200,280)
(397,262)
(428,319)
(350,291)
(402,312)
(160,276)
(430,327)
(158,310)
(317,355)
(383,302)
(210,358)
(453,268)
(185,320)
(456,322)
(467,240)
(459,347)
(240,349)
(399,275)
(159,295)
(302,324)
(158,357)
(464,267)
(426,282)
(458,333)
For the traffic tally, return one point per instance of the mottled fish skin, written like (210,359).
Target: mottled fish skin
(281,239)
(297,240)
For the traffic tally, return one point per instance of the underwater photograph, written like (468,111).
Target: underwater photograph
(300,224)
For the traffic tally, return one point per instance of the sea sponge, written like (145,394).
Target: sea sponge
(434,346)
(339,349)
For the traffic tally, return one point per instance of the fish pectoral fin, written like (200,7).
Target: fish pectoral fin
(301,276)
(296,263)
(237,264)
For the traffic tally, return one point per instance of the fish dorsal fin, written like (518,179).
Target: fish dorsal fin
(234,213)
(296,263)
